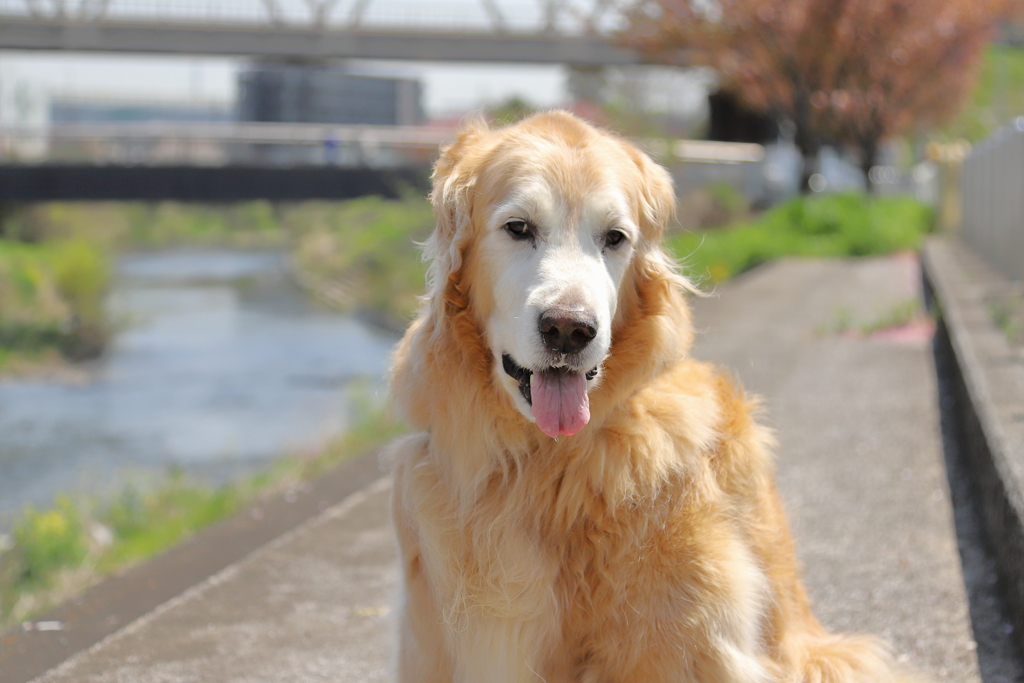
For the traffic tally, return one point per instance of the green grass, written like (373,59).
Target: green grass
(53,554)
(832,225)
(898,314)
(1007,313)
(142,524)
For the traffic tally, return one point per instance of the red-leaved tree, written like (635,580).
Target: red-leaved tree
(851,72)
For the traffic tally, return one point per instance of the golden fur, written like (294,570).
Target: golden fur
(649,547)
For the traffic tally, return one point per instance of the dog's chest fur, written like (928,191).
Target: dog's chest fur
(590,578)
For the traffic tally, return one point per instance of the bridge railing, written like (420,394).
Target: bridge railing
(219,143)
(222,144)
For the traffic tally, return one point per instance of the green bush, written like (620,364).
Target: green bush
(831,225)
(51,295)
(82,275)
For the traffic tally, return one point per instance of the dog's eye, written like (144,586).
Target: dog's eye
(614,238)
(519,229)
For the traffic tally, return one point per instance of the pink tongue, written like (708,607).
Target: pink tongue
(560,401)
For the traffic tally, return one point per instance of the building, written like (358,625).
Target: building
(304,94)
(313,94)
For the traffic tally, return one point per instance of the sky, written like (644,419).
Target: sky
(447,87)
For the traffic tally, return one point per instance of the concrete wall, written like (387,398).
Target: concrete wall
(986,375)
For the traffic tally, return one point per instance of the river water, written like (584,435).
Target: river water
(222,364)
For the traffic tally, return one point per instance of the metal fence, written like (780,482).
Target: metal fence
(992,187)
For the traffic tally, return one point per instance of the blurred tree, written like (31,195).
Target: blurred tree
(841,71)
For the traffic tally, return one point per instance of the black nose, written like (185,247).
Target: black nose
(567,329)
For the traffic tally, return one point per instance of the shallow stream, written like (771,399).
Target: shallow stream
(222,364)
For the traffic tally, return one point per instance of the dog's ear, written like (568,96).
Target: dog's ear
(657,197)
(454,178)
(658,275)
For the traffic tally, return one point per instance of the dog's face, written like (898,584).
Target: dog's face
(556,243)
(552,224)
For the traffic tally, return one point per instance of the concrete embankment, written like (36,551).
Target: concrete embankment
(981,371)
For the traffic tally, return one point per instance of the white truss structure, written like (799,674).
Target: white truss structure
(574,32)
(553,17)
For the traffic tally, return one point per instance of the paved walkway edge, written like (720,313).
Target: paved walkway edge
(120,600)
(987,378)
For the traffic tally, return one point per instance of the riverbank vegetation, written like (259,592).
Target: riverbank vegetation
(836,225)
(51,300)
(362,255)
(359,255)
(114,226)
(55,553)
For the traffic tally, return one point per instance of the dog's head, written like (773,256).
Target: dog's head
(540,227)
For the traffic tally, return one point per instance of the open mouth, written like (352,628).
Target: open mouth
(522,375)
(557,396)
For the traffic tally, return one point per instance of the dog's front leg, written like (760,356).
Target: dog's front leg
(422,655)
(504,651)
(487,651)
(482,613)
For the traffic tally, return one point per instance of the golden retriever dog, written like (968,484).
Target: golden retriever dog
(585,502)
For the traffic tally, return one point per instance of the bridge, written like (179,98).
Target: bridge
(570,32)
(218,162)
(185,183)
(236,161)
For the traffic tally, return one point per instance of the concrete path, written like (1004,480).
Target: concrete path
(860,466)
